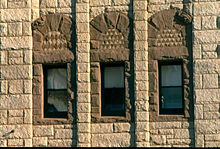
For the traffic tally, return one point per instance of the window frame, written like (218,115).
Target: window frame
(170,111)
(105,113)
(57,115)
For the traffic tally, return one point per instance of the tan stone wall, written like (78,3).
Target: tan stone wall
(16,73)
(206,73)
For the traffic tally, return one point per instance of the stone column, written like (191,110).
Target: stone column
(16,73)
(206,74)
(83,73)
(141,73)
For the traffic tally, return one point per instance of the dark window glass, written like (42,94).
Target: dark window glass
(113,90)
(55,92)
(171,88)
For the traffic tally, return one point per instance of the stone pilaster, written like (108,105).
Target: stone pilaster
(16,73)
(83,73)
(141,73)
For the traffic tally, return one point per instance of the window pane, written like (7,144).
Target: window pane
(114,77)
(171,75)
(57,101)
(172,97)
(57,78)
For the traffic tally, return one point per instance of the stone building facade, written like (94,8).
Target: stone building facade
(83,35)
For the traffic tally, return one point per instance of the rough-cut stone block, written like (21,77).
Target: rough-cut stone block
(198,81)
(102,128)
(15,61)
(15,54)
(15,15)
(122,127)
(48,3)
(165,131)
(158,139)
(198,111)
(142,126)
(207,66)
(82,28)
(83,138)
(19,3)
(166,125)
(83,107)
(61,143)
(39,141)
(209,55)
(212,137)
(111,140)
(15,142)
(11,101)
(178,141)
(3,4)
(3,29)
(83,67)
(16,43)
(209,22)
(140,5)
(3,57)
(16,86)
(43,131)
(83,117)
(15,113)
(83,127)
(83,57)
(197,23)
(211,115)
(199,141)
(82,7)
(16,72)
(64,3)
(207,126)
(202,94)
(208,36)
(4,87)
(27,116)
(100,3)
(210,81)
(28,142)
(121,2)
(82,18)
(203,9)
(63,134)
(142,105)
(142,136)
(83,98)
(27,86)
(142,116)
(211,107)
(3,117)
(15,120)
(182,133)
(83,87)
(209,47)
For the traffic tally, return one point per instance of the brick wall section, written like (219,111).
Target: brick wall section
(141,73)
(206,72)
(16,73)
(83,74)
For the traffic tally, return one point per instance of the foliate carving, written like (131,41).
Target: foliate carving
(54,40)
(169,38)
(183,16)
(113,39)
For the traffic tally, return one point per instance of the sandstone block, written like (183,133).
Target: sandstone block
(82,7)
(142,126)
(60,143)
(3,4)
(28,142)
(83,87)
(166,125)
(83,107)
(142,136)
(111,140)
(158,139)
(63,134)
(48,3)
(3,143)
(197,23)
(82,18)
(83,47)
(83,127)
(15,113)
(3,117)
(207,126)
(211,107)
(27,116)
(82,28)
(102,128)
(165,131)
(100,3)
(140,16)
(15,54)
(15,29)
(20,131)
(15,101)
(4,87)
(43,131)
(122,127)
(39,141)
(140,5)
(207,66)
(202,94)
(211,115)
(83,138)
(142,116)
(209,55)
(141,65)
(16,86)
(209,47)
(27,57)
(178,141)
(3,29)
(27,86)
(209,22)
(16,42)
(212,137)
(83,57)
(198,81)
(210,81)
(83,37)
(203,9)
(140,45)
(16,72)
(182,133)
(64,3)
(142,105)
(83,98)
(83,117)
(15,142)
(15,120)
(205,37)
(83,67)
(15,61)
(198,111)
(15,15)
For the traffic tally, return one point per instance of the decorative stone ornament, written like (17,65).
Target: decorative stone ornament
(52,39)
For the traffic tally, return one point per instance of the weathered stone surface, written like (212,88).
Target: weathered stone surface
(15,142)
(111,140)
(15,120)
(16,86)
(166,125)
(205,37)
(198,111)
(3,29)
(100,3)
(207,126)
(203,9)
(122,127)
(15,15)
(207,66)
(10,101)
(43,131)
(3,117)
(142,136)
(158,140)
(16,72)
(182,133)
(210,81)
(209,22)
(202,94)
(63,134)
(16,42)
(102,128)
(39,141)
(64,3)
(60,143)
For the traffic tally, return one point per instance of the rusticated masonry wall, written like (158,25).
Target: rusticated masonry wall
(15,73)
(206,73)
